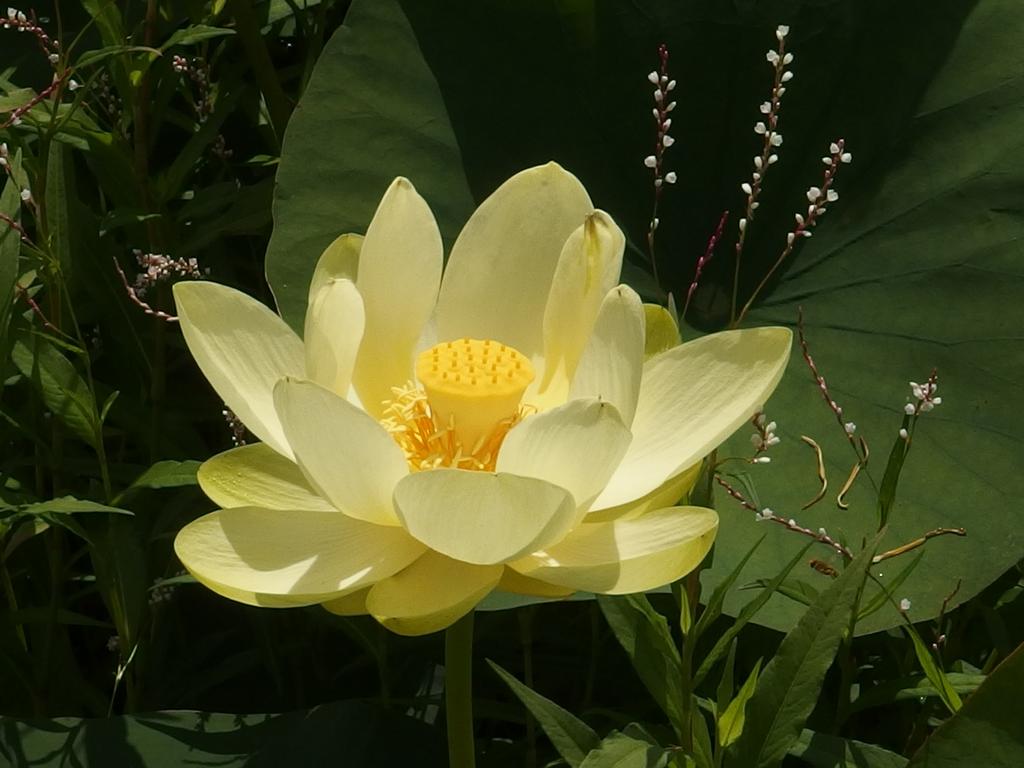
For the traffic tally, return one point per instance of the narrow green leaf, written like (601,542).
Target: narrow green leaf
(90,58)
(825,751)
(618,750)
(732,720)
(726,685)
(748,612)
(166,474)
(789,687)
(700,737)
(59,189)
(63,391)
(796,590)
(194,34)
(937,677)
(570,736)
(69,505)
(644,635)
(10,244)
(891,478)
(987,729)
(882,597)
(913,687)
(713,609)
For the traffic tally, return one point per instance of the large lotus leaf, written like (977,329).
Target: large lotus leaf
(923,270)
(372,111)
(341,733)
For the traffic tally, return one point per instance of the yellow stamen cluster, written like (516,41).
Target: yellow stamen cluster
(470,399)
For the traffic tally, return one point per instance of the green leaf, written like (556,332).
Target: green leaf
(166,474)
(644,635)
(882,597)
(746,615)
(825,751)
(91,58)
(916,266)
(788,689)
(63,391)
(570,736)
(732,720)
(912,687)
(986,731)
(617,750)
(371,111)
(69,505)
(194,34)
(935,675)
(713,609)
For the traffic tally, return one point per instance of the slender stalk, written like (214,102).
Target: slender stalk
(458,692)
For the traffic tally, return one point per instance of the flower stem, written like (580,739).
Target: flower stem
(458,692)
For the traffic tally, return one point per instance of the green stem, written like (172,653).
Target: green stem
(458,692)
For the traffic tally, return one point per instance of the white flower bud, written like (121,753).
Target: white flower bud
(787,59)
(766,108)
(776,140)
(26,194)
(650,161)
(671,106)
(772,159)
(743,224)
(781,31)
(904,434)
(790,237)
(846,157)
(905,605)
(772,57)
(758,162)
(653,77)
(813,194)
(909,409)
(786,76)
(832,196)
(671,85)
(747,189)
(760,128)
(658,96)
(668,141)
(670,177)
(833,148)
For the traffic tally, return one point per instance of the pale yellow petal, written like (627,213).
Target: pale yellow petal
(612,360)
(344,453)
(334,329)
(350,604)
(242,348)
(588,268)
(691,399)
(514,582)
(498,277)
(339,261)
(302,555)
(399,274)
(256,475)
(626,556)
(576,446)
(661,331)
(668,494)
(431,594)
(480,517)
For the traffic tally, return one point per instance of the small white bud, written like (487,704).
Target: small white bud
(807,233)
(653,77)
(822,532)
(657,183)
(670,177)
(671,85)
(11,13)
(658,96)
(781,90)
(772,159)
(26,194)
(656,113)
(832,196)
(790,237)
(758,162)
(772,57)
(743,224)
(760,128)
(846,157)
(745,186)
(904,434)
(799,219)
(813,194)
(650,161)
(671,106)
(776,140)
(791,522)
(53,58)
(786,76)
(827,160)
(3,162)
(904,605)
(787,59)
(754,206)
(74,85)
(655,222)
(833,148)
(936,401)
(781,31)
(763,460)
(664,79)
(909,409)
(668,141)
(766,108)
(666,124)
(850,427)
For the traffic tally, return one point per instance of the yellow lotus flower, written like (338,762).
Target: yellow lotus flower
(436,438)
